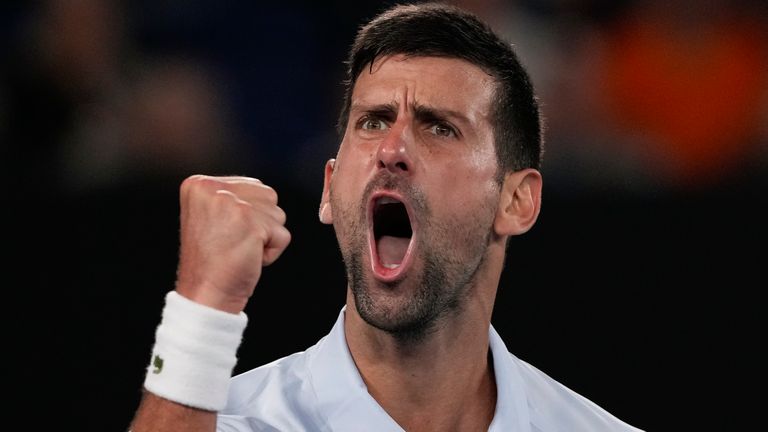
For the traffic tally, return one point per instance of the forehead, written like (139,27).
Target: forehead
(447,83)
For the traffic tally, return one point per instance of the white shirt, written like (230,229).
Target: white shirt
(320,389)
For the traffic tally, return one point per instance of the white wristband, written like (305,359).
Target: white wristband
(194,354)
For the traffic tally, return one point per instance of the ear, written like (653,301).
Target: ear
(326,216)
(519,203)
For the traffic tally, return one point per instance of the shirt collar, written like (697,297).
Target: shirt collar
(345,404)
(343,398)
(511,401)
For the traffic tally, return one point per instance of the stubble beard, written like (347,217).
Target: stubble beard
(450,253)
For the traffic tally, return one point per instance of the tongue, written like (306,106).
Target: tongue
(391,250)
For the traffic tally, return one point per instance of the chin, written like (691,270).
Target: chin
(400,308)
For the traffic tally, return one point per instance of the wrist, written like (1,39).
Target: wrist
(194,353)
(210,296)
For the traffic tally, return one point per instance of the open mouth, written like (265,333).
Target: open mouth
(391,236)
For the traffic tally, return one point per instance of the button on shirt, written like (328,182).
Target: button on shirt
(320,389)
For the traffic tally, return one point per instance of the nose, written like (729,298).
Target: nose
(393,154)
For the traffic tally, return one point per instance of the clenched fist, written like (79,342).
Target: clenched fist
(230,228)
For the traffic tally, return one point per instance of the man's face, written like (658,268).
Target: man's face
(414,193)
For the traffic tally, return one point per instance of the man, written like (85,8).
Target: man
(438,167)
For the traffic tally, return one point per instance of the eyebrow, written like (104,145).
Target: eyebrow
(422,113)
(427,113)
(386,110)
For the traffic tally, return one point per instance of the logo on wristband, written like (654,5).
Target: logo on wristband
(157,362)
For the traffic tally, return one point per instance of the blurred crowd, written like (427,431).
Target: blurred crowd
(645,96)
(637,95)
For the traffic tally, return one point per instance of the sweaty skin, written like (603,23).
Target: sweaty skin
(418,129)
(442,165)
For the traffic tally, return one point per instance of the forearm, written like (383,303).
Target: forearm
(192,360)
(156,414)
(230,228)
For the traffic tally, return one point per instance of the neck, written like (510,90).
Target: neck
(443,380)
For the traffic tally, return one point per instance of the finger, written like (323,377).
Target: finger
(246,188)
(279,239)
(236,179)
(269,219)
(276,213)
(228,179)
(204,183)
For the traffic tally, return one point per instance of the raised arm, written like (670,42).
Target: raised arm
(230,228)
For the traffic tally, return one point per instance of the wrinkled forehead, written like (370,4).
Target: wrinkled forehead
(446,83)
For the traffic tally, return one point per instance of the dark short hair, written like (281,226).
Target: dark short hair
(439,30)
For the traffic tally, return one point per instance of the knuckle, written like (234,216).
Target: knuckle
(187,184)
(280,214)
(226,204)
(286,235)
(197,183)
(223,197)
(260,233)
(269,194)
(245,208)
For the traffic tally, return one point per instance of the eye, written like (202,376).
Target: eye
(443,130)
(373,123)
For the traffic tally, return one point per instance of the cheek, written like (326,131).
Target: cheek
(484,162)
(355,153)
(467,200)
(345,218)
(340,202)
(463,231)
(346,202)
(472,176)
(470,191)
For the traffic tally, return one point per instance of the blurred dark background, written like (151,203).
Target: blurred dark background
(639,287)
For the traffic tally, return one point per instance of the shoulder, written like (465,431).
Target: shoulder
(283,374)
(555,407)
(275,396)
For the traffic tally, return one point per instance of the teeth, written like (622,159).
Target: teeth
(387,200)
(391,266)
